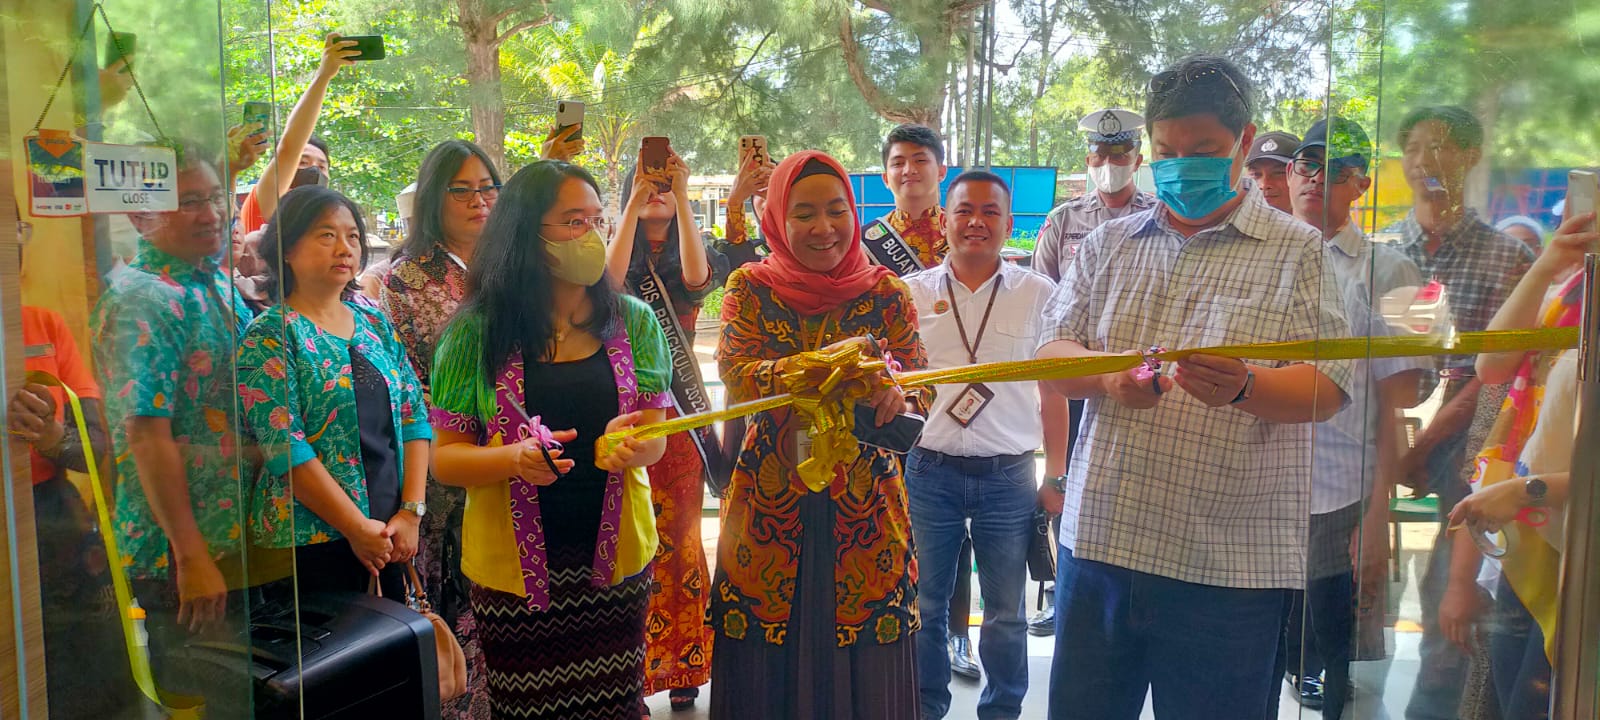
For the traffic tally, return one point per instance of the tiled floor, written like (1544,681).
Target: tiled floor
(1381,692)
(1382,688)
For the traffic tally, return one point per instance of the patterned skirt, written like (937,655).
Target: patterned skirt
(583,659)
(677,638)
(809,676)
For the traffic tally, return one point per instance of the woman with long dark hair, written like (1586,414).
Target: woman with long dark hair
(659,252)
(333,404)
(543,358)
(814,600)
(457,186)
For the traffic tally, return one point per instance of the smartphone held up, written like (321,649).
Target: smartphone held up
(1583,187)
(569,114)
(653,154)
(370,46)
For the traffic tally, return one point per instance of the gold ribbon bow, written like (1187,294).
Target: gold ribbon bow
(824,386)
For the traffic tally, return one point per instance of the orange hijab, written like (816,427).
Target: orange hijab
(807,291)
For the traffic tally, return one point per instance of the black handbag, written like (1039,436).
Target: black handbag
(343,655)
(1042,547)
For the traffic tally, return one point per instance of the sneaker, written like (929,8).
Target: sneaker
(1043,623)
(1308,691)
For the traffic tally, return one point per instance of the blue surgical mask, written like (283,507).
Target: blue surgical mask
(1194,187)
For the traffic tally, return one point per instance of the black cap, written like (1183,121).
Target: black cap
(1346,145)
(1277,146)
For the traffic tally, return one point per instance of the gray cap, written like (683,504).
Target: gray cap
(1277,146)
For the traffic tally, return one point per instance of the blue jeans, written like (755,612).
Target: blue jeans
(1203,652)
(1443,670)
(998,495)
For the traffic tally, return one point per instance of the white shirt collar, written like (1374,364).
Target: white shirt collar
(1010,274)
(1349,240)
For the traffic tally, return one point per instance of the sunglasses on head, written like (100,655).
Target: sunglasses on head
(1167,81)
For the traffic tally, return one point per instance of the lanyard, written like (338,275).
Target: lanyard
(971,347)
(822,330)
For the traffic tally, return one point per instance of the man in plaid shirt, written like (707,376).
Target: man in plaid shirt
(1478,266)
(1186,512)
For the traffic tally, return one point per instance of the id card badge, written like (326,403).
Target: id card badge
(970,403)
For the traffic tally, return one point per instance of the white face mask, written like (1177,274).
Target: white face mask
(1110,177)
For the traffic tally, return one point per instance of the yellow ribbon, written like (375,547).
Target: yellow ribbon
(819,384)
(180,707)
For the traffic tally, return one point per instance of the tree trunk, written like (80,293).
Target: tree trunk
(934,41)
(479,31)
(969,112)
(1047,24)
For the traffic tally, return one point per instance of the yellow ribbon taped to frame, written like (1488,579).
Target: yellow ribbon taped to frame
(821,386)
(178,707)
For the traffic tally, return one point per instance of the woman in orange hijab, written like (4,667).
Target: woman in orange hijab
(814,600)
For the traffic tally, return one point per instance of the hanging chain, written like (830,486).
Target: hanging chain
(161,136)
(77,45)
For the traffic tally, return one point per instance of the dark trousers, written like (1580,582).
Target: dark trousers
(1521,670)
(1202,652)
(181,668)
(1319,622)
(333,567)
(961,600)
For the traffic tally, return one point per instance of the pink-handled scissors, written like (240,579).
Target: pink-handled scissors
(1151,370)
(546,439)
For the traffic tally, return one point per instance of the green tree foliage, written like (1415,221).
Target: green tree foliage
(835,74)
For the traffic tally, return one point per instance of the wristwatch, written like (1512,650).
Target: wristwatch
(1536,490)
(1248,389)
(415,508)
(1058,482)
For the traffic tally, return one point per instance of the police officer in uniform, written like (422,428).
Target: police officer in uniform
(1113,159)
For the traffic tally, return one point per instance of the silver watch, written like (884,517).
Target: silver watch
(418,509)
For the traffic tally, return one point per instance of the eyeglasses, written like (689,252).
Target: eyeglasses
(1115,158)
(1307,167)
(217,201)
(582,224)
(464,194)
(1165,82)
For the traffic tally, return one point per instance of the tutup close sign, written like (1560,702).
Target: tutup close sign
(130,178)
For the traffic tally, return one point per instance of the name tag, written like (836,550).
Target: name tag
(969,403)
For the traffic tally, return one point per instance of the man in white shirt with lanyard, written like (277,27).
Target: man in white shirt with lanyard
(974,461)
